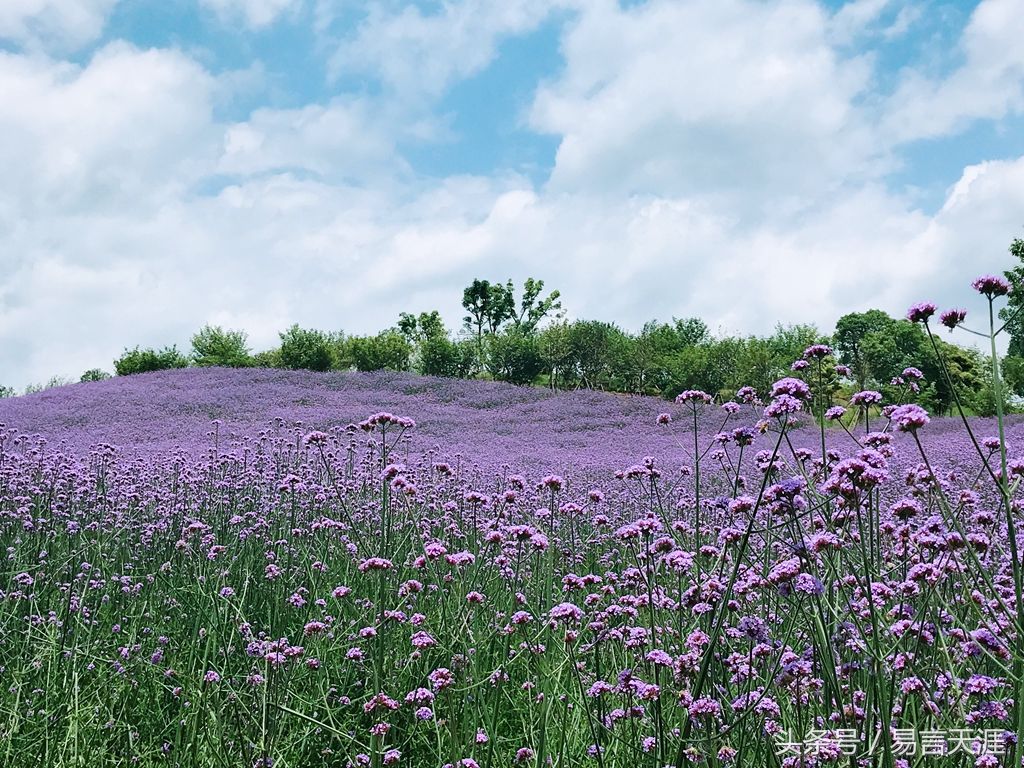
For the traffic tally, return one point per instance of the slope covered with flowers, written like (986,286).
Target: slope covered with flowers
(261,568)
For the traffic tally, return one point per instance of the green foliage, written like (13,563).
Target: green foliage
(1013,373)
(594,348)
(417,329)
(488,307)
(388,350)
(492,306)
(53,382)
(306,349)
(269,358)
(7,391)
(554,345)
(212,345)
(1013,311)
(533,308)
(849,337)
(514,356)
(440,356)
(143,360)
(94,374)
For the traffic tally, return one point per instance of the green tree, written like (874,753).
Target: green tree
(143,360)
(6,391)
(306,349)
(212,345)
(532,307)
(514,356)
(94,374)
(427,325)
(388,350)
(1013,311)
(440,356)
(848,340)
(594,346)
(268,358)
(489,305)
(555,345)
(1013,373)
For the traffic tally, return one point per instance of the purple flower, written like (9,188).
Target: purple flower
(792,387)
(566,612)
(693,395)
(909,418)
(782,405)
(951,318)
(866,398)
(991,286)
(920,312)
(835,413)
(817,351)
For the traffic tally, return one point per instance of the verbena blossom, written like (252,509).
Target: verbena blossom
(920,312)
(991,286)
(951,318)
(909,418)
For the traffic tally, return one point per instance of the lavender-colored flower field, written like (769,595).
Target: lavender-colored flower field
(486,423)
(213,567)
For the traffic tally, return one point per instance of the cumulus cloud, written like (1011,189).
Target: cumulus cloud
(62,24)
(989,84)
(254,13)
(346,139)
(130,127)
(745,101)
(420,55)
(716,158)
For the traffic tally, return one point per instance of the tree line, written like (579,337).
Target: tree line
(522,337)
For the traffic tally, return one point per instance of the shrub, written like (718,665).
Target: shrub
(269,358)
(142,360)
(94,374)
(514,357)
(388,350)
(215,346)
(7,391)
(307,349)
(440,356)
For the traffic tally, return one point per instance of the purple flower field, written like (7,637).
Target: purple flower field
(213,567)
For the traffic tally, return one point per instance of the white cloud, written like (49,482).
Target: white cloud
(717,158)
(131,127)
(858,18)
(53,23)
(989,84)
(254,13)
(727,98)
(346,139)
(418,56)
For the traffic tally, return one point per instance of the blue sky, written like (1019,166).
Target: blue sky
(254,163)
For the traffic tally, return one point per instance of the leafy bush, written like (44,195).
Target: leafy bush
(94,374)
(143,360)
(440,356)
(212,345)
(514,357)
(52,383)
(7,391)
(269,358)
(388,350)
(307,349)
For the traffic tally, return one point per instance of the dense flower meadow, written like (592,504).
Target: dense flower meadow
(234,568)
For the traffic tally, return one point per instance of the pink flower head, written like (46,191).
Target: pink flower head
(991,286)
(920,312)
(693,396)
(951,318)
